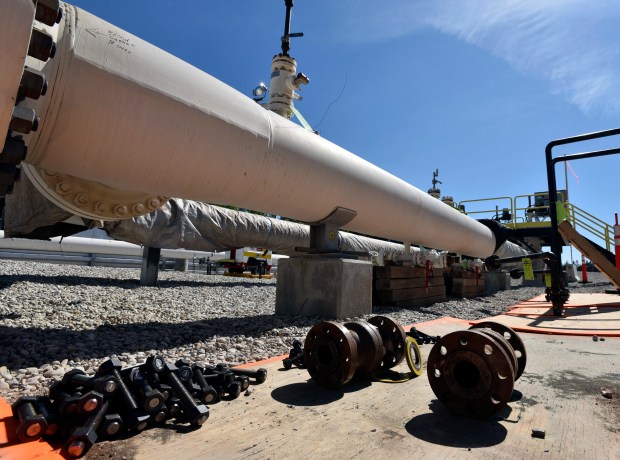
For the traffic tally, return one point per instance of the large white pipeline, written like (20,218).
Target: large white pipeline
(124,113)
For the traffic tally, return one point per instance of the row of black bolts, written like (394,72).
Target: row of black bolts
(81,408)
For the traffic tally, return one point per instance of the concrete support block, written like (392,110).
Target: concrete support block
(538,281)
(332,287)
(181,265)
(495,281)
(571,273)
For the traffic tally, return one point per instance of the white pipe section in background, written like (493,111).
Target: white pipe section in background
(83,245)
(509,249)
(124,113)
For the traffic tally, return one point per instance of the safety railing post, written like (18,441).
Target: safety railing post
(617,242)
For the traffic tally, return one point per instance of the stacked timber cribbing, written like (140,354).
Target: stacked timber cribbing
(408,286)
(466,284)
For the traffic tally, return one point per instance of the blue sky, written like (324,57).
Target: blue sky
(472,87)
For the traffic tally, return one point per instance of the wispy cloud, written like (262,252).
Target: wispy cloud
(571,43)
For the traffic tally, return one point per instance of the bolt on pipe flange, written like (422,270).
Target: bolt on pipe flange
(48,12)
(42,46)
(14,151)
(32,85)
(471,373)
(24,120)
(513,339)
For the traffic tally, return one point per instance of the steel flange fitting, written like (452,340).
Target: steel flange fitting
(473,372)
(334,352)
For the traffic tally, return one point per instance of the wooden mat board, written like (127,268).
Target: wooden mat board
(291,417)
(584,314)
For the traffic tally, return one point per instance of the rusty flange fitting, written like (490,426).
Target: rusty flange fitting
(473,372)
(335,352)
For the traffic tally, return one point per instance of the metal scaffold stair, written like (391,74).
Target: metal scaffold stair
(584,246)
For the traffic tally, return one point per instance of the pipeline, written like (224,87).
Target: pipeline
(192,136)
(200,226)
(179,223)
(196,226)
(510,249)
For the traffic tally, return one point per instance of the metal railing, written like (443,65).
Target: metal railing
(535,212)
(596,227)
(507,203)
(511,213)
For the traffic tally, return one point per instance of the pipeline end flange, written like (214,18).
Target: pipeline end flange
(90,199)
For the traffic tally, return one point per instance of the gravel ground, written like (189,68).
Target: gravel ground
(57,317)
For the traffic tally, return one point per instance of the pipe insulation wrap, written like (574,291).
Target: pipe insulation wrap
(184,224)
(200,226)
(124,113)
(510,249)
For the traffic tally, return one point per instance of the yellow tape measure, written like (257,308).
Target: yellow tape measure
(414,361)
(389,376)
(413,355)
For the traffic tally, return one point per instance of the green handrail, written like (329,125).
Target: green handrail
(486,211)
(597,227)
(576,216)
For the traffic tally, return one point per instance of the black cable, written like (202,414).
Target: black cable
(346,75)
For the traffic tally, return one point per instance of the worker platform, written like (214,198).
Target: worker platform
(289,416)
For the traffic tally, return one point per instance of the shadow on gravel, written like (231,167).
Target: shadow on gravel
(8,280)
(32,347)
